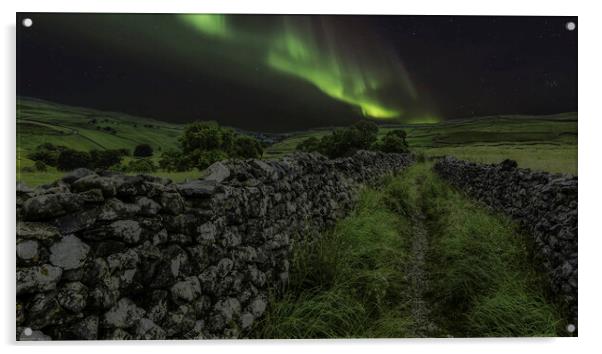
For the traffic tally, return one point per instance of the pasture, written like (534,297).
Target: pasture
(544,143)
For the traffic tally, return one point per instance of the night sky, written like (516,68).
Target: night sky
(282,73)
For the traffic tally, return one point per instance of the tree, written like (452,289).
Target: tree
(202,159)
(400,133)
(47,153)
(204,143)
(343,142)
(47,157)
(104,159)
(40,166)
(124,152)
(173,160)
(361,135)
(247,147)
(143,150)
(365,134)
(71,159)
(394,141)
(309,145)
(206,136)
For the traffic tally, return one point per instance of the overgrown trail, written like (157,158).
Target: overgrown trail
(418,278)
(415,259)
(417,273)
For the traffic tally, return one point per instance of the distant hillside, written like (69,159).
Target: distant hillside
(85,129)
(545,143)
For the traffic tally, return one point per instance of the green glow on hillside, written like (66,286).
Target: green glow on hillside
(427,119)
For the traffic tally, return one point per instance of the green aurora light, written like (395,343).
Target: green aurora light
(316,53)
(213,25)
(300,57)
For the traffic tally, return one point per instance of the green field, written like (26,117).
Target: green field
(85,129)
(545,143)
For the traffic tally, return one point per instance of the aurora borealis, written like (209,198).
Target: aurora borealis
(290,72)
(311,49)
(356,82)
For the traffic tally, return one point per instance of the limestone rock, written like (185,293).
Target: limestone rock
(148,206)
(28,250)
(106,184)
(76,174)
(147,330)
(186,290)
(127,230)
(37,231)
(217,172)
(51,205)
(124,314)
(75,222)
(258,307)
(69,253)
(85,329)
(197,188)
(73,296)
(39,278)
(92,196)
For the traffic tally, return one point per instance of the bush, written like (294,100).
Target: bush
(40,166)
(45,156)
(143,150)
(365,133)
(247,147)
(173,160)
(394,141)
(141,166)
(47,153)
(309,145)
(204,143)
(203,159)
(71,159)
(420,157)
(124,152)
(104,159)
(343,142)
(206,136)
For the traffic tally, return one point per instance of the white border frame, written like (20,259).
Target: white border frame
(589,171)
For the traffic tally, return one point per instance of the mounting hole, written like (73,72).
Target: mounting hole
(27,331)
(570,328)
(27,22)
(570,26)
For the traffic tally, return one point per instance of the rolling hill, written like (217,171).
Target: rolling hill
(547,143)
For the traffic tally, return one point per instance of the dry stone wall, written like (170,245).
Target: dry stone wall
(545,204)
(109,256)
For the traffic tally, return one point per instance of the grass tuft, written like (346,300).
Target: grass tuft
(350,283)
(483,281)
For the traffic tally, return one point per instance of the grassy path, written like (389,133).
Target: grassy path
(419,279)
(415,259)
